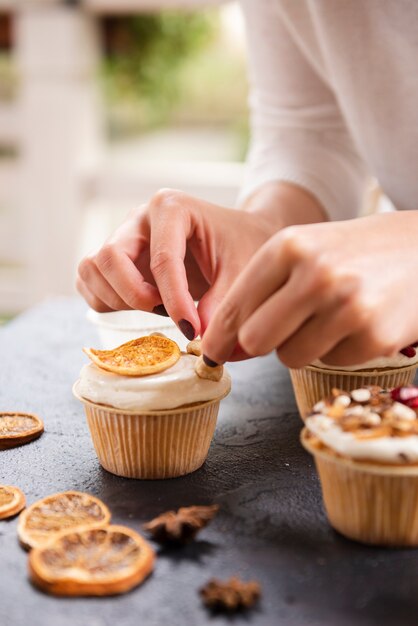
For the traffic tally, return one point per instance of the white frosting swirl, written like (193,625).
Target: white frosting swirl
(174,387)
(398,360)
(383,449)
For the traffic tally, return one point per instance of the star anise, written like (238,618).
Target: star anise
(231,595)
(180,526)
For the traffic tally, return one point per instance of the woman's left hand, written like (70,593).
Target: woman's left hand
(344,292)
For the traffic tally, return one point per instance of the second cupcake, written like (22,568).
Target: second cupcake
(315,381)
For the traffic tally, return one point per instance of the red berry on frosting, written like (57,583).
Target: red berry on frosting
(406,395)
(409,351)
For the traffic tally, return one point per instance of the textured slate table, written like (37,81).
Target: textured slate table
(271,526)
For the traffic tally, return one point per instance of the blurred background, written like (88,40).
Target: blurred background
(103,102)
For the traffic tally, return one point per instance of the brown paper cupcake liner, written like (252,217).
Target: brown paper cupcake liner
(312,384)
(371,503)
(157,444)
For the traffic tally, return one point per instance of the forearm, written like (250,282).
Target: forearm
(283,204)
(298,131)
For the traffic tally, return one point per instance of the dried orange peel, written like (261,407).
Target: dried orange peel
(12,501)
(60,512)
(92,562)
(139,357)
(17,429)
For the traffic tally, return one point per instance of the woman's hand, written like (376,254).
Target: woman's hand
(170,252)
(344,292)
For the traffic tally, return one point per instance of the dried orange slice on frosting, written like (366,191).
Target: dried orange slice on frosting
(19,428)
(59,512)
(139,357)
(92,562)
(12,501)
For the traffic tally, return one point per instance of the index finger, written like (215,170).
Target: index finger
(171,227)
(116,262)
(127,281)
(268,271)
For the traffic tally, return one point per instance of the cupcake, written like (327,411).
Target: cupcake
(151,409)
(315,381)
(365,446)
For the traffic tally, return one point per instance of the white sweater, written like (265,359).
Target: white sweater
(334,98)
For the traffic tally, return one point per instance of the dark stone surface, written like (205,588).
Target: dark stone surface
(271,526)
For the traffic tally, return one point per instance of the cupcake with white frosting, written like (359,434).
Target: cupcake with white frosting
(315,381)
(365,445)
(153,426)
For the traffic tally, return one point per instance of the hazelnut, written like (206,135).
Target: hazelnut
(361,395)
(210,373)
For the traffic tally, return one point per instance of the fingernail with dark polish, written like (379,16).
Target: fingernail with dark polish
(209,362)
(160,310)
(187,329)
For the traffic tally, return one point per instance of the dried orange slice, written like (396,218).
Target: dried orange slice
(92,562)
(62,511)
(12,501)
(139,357)
(19,428)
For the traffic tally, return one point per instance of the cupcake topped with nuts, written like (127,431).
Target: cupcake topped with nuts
(365,445)
(368,424)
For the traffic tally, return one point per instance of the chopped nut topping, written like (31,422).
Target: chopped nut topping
(371,412)
(324,422)
(336,410)
(371,418)
(402,411)
(350,422)
(231,595)
(374,433)
(181,526)
(361,395)
(356,410)
(403,426)
(343,401)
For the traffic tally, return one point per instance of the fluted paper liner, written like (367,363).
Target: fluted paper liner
(312,383)
(155,444)
(371,503)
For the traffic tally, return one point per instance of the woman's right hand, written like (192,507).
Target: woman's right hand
(170,252)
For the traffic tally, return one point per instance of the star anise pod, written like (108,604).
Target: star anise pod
(180,526)
(231,595)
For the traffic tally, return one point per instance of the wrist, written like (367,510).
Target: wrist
(283,204)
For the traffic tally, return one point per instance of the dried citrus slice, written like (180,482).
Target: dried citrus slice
(139,357)
(12,501)
(59,512)
(92,562)
(19,428)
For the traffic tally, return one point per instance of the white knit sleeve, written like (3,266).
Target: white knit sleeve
(298,132)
